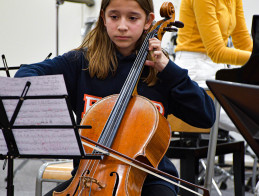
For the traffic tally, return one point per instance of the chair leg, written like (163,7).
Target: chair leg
(254,173)
(213,181)
(38,189)
(212,149)
(189,173)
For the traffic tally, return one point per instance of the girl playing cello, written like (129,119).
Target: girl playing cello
(99,67)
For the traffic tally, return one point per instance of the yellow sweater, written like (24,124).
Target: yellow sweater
(208,25)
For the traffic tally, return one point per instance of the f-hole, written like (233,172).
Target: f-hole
(115,188)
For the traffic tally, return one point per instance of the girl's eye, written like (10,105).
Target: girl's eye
(114,16)
(133,18)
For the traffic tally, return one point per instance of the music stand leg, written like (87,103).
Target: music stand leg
(10,186)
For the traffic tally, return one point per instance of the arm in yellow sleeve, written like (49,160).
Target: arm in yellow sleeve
(211,35)
(240,36)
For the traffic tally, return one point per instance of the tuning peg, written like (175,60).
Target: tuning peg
(178,24)
(170,29)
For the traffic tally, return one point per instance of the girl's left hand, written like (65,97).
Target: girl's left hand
(159,59)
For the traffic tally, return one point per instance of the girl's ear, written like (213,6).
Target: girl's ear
(103,17)
(149,21)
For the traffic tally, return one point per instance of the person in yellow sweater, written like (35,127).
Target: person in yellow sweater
(202,43)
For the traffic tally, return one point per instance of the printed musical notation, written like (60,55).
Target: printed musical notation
(36,111)
(46,141)
(39,112)
(40,85)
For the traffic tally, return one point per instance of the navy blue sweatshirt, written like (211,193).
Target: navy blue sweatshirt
(174,93)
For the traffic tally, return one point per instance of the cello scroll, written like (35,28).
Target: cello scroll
(168,12)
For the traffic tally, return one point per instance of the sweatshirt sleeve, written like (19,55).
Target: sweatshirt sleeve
(211,35)
(68,64)
(64,64)
(187,100)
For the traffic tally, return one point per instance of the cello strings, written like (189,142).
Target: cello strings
(107,136)
(125,95)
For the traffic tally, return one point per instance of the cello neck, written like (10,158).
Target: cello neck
(114,120)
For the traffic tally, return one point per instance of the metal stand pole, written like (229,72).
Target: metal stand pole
(58,3)
(212,149)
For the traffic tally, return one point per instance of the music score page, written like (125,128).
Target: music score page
(39,112)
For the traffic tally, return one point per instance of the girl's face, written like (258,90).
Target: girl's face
(125,22)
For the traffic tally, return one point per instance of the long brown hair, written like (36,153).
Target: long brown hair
(101,50)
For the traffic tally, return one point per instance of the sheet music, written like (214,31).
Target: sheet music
(3,147)
(41,85)
(36,111)
(40,112)
(46,141)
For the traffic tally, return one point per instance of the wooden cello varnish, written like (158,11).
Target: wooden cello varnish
(144,134)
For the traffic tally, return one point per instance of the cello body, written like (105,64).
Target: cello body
(144,134)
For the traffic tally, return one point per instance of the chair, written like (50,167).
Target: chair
(191,153)
(182,126)
(56,171)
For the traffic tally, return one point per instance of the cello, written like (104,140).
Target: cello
(128,119)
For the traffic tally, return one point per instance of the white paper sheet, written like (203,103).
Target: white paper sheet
(40,85)
(40,112)
(46,141)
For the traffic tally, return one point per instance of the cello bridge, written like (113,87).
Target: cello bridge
(88,181)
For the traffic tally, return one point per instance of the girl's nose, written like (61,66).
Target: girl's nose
(122,25)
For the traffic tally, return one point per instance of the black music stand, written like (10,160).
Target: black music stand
(14,149)
(240,101)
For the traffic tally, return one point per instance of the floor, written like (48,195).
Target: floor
(25,178)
